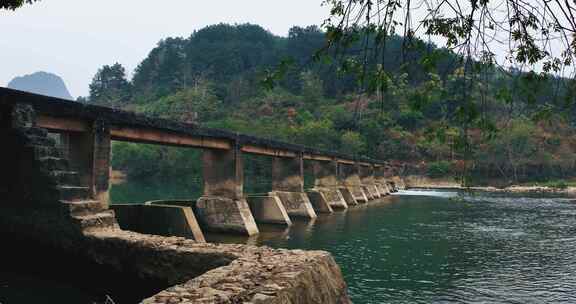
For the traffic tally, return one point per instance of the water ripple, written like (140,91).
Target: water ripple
(446,247)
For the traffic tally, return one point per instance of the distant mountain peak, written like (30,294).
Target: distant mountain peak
(41,83)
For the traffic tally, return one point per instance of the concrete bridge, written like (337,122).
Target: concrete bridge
(46,199)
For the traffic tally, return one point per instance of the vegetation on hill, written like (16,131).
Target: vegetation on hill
(218,78)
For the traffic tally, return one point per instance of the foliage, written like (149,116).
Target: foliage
(188,105)
(352,143)
(418,119)
(14,4)
(110,86)
(439,169)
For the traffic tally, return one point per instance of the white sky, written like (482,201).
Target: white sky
(73,38)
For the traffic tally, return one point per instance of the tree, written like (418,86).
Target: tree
(189,105)
(110,87)
(539,32)
(312,88)
(352,143)
(14,4)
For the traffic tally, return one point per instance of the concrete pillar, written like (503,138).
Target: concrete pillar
(223,207)
(319,201)
(367,178)
(160,219)
(390,173)
(350,178)
(288,185)
(326,183)
(380,180)
(268,210)
(89,154)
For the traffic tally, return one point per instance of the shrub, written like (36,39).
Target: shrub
(439,169)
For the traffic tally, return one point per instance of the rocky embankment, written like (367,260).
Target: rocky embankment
(447,183)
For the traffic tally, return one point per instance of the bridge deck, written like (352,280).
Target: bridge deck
(61,115)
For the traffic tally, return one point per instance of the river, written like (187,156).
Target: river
(419,247)
(445,247)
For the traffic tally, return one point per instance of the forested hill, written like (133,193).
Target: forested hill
(215,77)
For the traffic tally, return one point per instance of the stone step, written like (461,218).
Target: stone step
(54,163)
(64,177)
(46,151)
(73,193)
(36,132)
(40,140)
(104,219)
(82,208)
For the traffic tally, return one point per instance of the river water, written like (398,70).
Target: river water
(419,247)
(445,247)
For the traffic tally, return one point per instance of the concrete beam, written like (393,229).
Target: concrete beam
(317,157)
(133,134)
(59,124)
(64,116)
(251,149)
(153,136)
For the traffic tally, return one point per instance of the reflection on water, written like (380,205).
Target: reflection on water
(446,247)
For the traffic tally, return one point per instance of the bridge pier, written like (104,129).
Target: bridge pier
(223,207)
(288,186)
(367,178)
(268,209)
(380,180)
(89,153)
(326,184)
(351,183)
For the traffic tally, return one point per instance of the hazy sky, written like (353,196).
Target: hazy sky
(73,38)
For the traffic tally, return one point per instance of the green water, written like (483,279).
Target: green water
(424,247)
(140,192)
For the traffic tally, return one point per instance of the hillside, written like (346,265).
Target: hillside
(41,83)
(215,77)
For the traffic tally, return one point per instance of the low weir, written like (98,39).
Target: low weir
(56,201)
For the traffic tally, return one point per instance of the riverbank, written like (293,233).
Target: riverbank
(424,182)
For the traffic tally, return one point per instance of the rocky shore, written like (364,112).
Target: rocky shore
(422,182)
